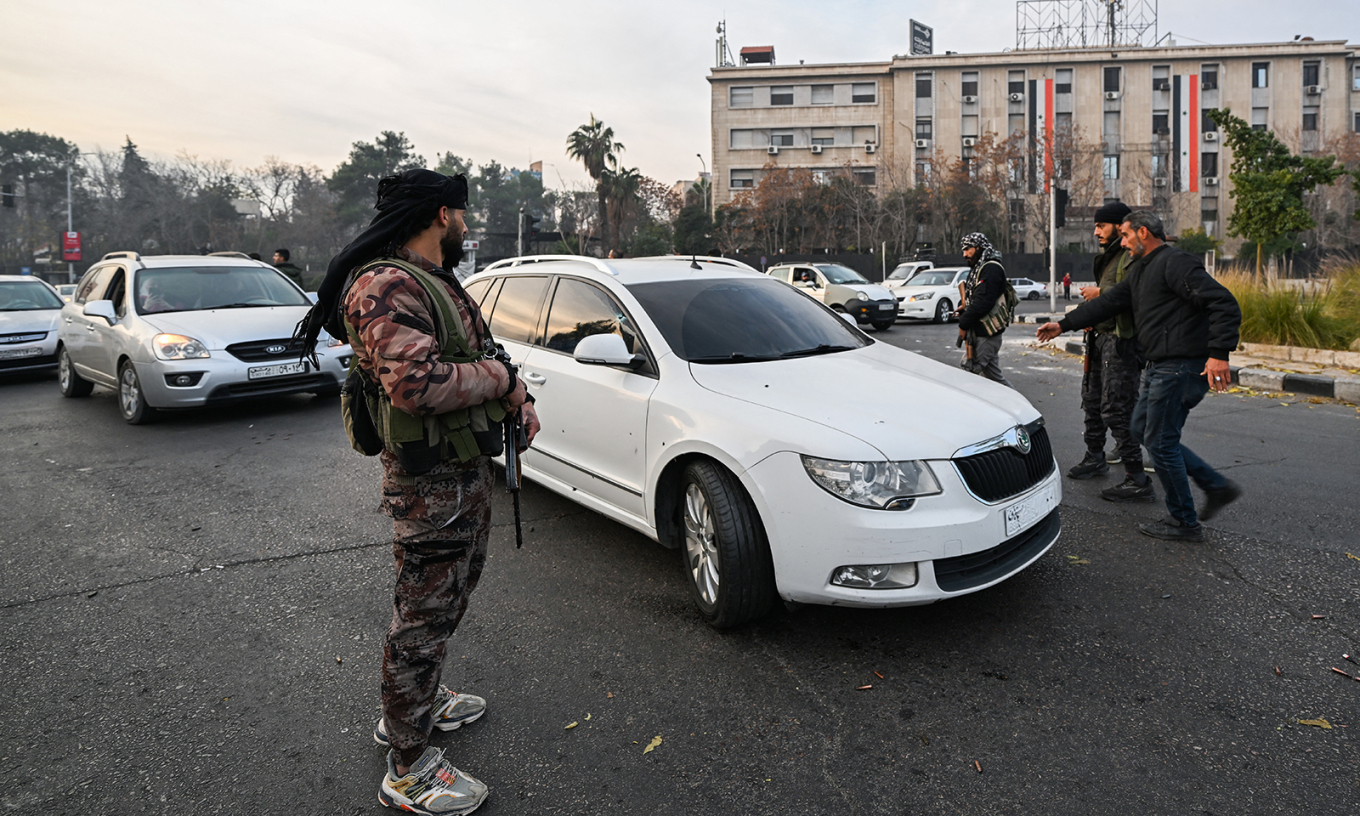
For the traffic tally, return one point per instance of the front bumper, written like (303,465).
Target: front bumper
(30,355)
(869,311)
(222,379)
(918,308)
(958,542)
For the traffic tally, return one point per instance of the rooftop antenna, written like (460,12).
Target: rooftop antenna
(694,260)
(723,57)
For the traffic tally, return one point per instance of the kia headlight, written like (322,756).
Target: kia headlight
(333,342)
(880,485)
(922,296)
(178,347)
(862,295)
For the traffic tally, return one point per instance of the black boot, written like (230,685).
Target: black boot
(1132,489)
(1093,465)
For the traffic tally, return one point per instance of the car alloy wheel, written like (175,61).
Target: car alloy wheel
(727,557)
(131,399)
(1033,296)
(701,550)
(72,384)
(942,310)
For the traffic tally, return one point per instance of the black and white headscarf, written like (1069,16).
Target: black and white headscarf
(979,240)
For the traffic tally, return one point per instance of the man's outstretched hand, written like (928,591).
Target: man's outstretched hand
(1048,331)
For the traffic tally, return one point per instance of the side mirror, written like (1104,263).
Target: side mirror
(849,318)
(604,349)
(101,308)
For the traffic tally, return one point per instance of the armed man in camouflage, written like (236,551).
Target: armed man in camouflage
(395,312)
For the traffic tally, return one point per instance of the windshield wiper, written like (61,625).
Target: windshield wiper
(734,357)
(238,306)
(824,348)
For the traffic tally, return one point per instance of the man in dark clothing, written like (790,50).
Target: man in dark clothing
(293,271)
(1109,385)
(1187,326)
(982,321)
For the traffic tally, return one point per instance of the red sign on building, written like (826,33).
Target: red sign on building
(70,246)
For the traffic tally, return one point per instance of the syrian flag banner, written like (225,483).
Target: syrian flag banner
(1185,133)
(1041,125)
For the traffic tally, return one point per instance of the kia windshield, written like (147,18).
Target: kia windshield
(26,296)
(739,320)
(840,274)
(192,289)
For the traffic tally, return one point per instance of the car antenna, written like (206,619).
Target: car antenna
(693,261)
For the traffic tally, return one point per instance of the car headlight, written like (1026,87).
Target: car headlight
(880,485)
(178,347)
(335,342)
(862,295)
(923,296)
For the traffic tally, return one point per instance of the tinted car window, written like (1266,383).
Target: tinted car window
(928,278)
(190,288)
(841,274)
(93,284)
(515,316)
(478,290)
(740,320)
(23,296)
(580,310)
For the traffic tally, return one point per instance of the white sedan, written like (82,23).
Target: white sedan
(1027,289)
(723,413)
(29,308)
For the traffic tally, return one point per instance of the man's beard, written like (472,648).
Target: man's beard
(451,242)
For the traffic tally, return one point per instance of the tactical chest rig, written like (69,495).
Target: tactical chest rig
(999,316)
(421,442)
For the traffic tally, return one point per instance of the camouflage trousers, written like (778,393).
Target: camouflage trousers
(1109,390)
(442,521)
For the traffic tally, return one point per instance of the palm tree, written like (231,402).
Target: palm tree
(621,186)
(594,146)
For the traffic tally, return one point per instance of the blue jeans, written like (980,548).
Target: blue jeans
(1170,389)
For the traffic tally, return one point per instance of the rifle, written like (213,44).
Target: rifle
(515,439)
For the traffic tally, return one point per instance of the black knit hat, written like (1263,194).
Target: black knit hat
(1112,213)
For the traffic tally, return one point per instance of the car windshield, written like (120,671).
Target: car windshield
(840,274)
(901,273)
(26,296)
(930,277)
(736,320)
(199,288)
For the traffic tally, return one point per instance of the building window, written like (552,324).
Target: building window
(922,172)
(1110,168)
(924,85)
(1062,81)
(781,138)
(1015,124)
(1310,117)
(1206,123)
(1357,122)
(1015,82)
(865,176)
(924,128)
(969,85)
(781,95)
(863,92)
(1260,118)
(1208,209)
(1312,73)
(1062,123)
(969,126)
(1208,77)
(1355,79)
(1159,124)
(743,179)
(1260,75)
(823,94)
(1112,79)
(1159,165)
(739,139)
(864,134)
(1161,77)
(741,97)
(1110,129)
(824,136)
(1208,164)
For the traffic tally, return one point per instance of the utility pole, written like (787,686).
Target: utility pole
(519,241)
(1052,246)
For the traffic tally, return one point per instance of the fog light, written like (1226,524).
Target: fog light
(184,379)
(875,576)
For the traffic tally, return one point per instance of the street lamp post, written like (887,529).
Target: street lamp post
(704,166)
(70,227)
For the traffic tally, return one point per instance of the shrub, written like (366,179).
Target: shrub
(1282,315)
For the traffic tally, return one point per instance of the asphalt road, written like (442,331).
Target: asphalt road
(191,614)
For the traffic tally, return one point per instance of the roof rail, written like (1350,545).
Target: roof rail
(529,259)
(132,256)
(230,254)
(713,259)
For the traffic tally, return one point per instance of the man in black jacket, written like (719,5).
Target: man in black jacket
(1187,325)
(981,322)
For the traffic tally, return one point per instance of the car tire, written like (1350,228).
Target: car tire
(1032,296)
(72,384)
(884,325)
(942,310)
(131,399)
(724,549)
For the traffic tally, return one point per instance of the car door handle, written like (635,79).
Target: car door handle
(536,379)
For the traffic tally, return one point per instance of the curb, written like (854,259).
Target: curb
(1265,379)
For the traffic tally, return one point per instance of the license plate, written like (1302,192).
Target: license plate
(1025,513)
(10,354)
(278,370)
(883,307)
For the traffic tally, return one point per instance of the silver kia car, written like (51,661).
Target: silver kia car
(184,331)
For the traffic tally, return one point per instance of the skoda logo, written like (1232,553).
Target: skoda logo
(1022,443)
(277,349)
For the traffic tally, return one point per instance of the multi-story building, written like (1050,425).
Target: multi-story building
(1138,114)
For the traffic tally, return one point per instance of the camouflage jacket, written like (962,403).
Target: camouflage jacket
(395,322)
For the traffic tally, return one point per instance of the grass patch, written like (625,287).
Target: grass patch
(1325,315)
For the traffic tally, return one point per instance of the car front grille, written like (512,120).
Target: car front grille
(976,569)
(254,351)
(24,337)
(271,386)
(997,475)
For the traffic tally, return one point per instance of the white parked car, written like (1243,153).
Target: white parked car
(931,294)
(904,271)
(29,308)
(843,289)
(183,331)
(724,414)
(1027,289)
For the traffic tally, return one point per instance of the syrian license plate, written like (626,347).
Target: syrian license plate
(277,370)
(11,354)
(883,307)
(1025,513)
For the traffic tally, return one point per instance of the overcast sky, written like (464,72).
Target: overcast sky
(490,80)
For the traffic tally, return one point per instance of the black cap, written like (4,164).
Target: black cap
(1112,213)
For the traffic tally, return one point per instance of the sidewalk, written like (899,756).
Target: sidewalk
(1314,372)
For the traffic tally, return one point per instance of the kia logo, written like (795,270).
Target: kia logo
(275,349)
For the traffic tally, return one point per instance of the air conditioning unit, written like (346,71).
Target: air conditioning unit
(1112,95)
(816,148)
(1210,136)
(1161,84)
(1211,181)
(1017,97)
(870,147)
(1159,182)
(922,143)
(773,150)
(969,141)
(968,100)
(1313,90)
